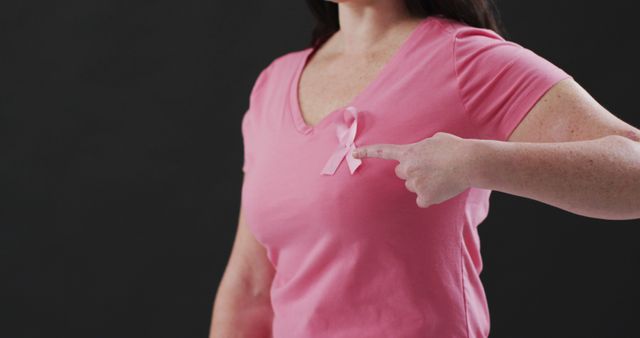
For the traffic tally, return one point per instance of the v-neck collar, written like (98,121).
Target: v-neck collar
(294,103)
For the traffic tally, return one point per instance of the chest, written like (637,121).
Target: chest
(289,201)
(286,190)
(327,83)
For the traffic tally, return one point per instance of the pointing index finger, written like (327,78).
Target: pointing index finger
(384,151)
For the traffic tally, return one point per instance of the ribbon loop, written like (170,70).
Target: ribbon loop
(346,133)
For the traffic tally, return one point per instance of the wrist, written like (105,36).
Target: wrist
(479,155)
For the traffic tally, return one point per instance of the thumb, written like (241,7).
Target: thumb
(384,151)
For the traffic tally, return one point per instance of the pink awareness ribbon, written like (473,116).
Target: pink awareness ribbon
(346,135)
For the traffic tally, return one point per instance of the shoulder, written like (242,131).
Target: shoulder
(455,41)
(469,40)
(278,69)
(284,63)
(478,48)
(289,58)
(457,30)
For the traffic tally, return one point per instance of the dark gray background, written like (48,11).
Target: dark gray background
(120,157)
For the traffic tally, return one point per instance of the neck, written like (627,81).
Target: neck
(364,24)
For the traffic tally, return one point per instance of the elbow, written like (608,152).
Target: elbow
(628,153)
(629,144)
(633,135)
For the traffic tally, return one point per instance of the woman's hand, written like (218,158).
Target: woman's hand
(436,168)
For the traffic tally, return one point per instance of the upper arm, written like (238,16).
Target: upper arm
(567,112)
(499,81)
(249,266)
(510,93)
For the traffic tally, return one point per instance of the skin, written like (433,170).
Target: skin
(352,57)
(242,306)
(568,152)
(370,32)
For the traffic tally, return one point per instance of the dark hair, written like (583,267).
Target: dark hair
(477,13)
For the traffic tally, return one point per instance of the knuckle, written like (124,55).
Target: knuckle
(425,194)
(419,184)
(409,185)
(411,168)
(422,202)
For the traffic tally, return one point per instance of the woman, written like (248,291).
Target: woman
(369,160)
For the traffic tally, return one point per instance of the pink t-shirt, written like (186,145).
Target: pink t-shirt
(354,254)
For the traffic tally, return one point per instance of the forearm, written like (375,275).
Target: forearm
(597,178)
(239,314)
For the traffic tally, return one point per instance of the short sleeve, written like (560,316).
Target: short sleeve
(248,121)
(499,80)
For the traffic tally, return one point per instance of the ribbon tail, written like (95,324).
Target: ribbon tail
(334,161)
